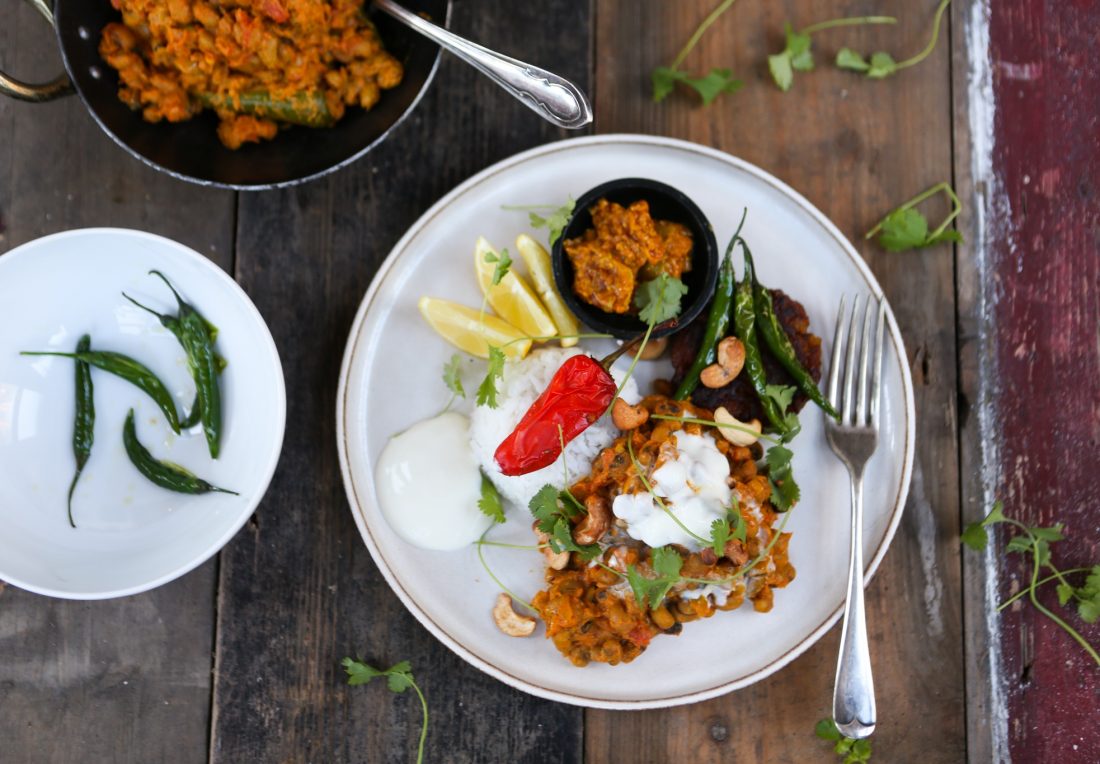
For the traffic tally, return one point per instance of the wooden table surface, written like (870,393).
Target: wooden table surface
(239,660)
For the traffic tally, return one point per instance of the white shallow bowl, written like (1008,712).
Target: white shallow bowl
(384,388)
(131,535)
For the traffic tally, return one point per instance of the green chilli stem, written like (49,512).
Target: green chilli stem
(931,43)
(852,21)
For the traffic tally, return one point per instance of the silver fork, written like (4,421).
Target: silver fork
(853,440)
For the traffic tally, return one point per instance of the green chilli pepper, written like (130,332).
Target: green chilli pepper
(309,109)
(133,372)
(164,474)
(744,325)
(84,420)
(780,346)
(717,322)
(196,335)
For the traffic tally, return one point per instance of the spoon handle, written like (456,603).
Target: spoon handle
(554,98)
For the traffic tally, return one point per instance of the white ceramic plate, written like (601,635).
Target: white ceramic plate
(391,378)
(131,535)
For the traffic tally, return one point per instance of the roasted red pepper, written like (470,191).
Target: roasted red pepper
(579,394)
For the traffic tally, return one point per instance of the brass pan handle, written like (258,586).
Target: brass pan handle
(44,92)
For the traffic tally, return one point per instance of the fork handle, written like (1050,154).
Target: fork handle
(854,692)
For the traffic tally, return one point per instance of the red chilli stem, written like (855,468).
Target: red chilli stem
(626,347)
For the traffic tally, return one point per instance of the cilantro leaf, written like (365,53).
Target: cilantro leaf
(781,70)
(658,300)
(556,221)
(1065,593)
(719,536)
(996,514)
(781,394)
(846,58)
(740,529)
(666,564)
(503,263)
(882,65)
(785,491)
(826,729)
(399,678)
(561,540)
(487,390)
(975,536)
(1048,534)
(490,502)
(544,508)
(902,230)
(709,86)
(1088,605)
(452,375)
(666,561)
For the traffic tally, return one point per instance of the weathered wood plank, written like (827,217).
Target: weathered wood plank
(298,588)
(126,680)
(855,148)
(1031,314)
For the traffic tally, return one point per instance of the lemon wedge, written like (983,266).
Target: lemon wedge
(512,298)
(537,260)
(472,330)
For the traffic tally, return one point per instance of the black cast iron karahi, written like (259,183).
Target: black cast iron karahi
(665,203)
(191,150)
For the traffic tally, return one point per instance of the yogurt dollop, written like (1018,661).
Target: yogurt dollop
(429,483)
(693,486)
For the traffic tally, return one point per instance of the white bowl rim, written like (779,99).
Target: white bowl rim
(274,453)
(353,494)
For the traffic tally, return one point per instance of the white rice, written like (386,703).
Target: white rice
(523,382)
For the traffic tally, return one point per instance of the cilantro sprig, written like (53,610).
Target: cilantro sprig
(783,396)
(502,263)
(487,390)
(554,510)
(399,678)
(785,491)
(452,378)
(710,85)
(651,592)
(881,64)
(854,751)
(490,503)
(906,228)
(1035,541)
(554,222)
(798,53)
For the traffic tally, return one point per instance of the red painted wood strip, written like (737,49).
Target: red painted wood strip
(1046,265)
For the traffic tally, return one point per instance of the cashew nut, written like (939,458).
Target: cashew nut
(509,621)
(654,349)
(627,417)
(731,359)
(736,434)
(595,523)
(554,560)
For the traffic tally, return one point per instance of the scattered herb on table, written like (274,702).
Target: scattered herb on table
(854,751)
(84,419)
(132,371)
(195,335)
(710,85)
(882,64)
(164,474)
(1035,542)
(554,222)
(490,502)
(906,228)
(399,678)
(798,54)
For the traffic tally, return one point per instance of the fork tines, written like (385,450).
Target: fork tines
(851,401)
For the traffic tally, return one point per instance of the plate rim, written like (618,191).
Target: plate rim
(21,251)
(355,505)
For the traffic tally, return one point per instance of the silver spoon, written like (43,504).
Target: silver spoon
(554,98)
